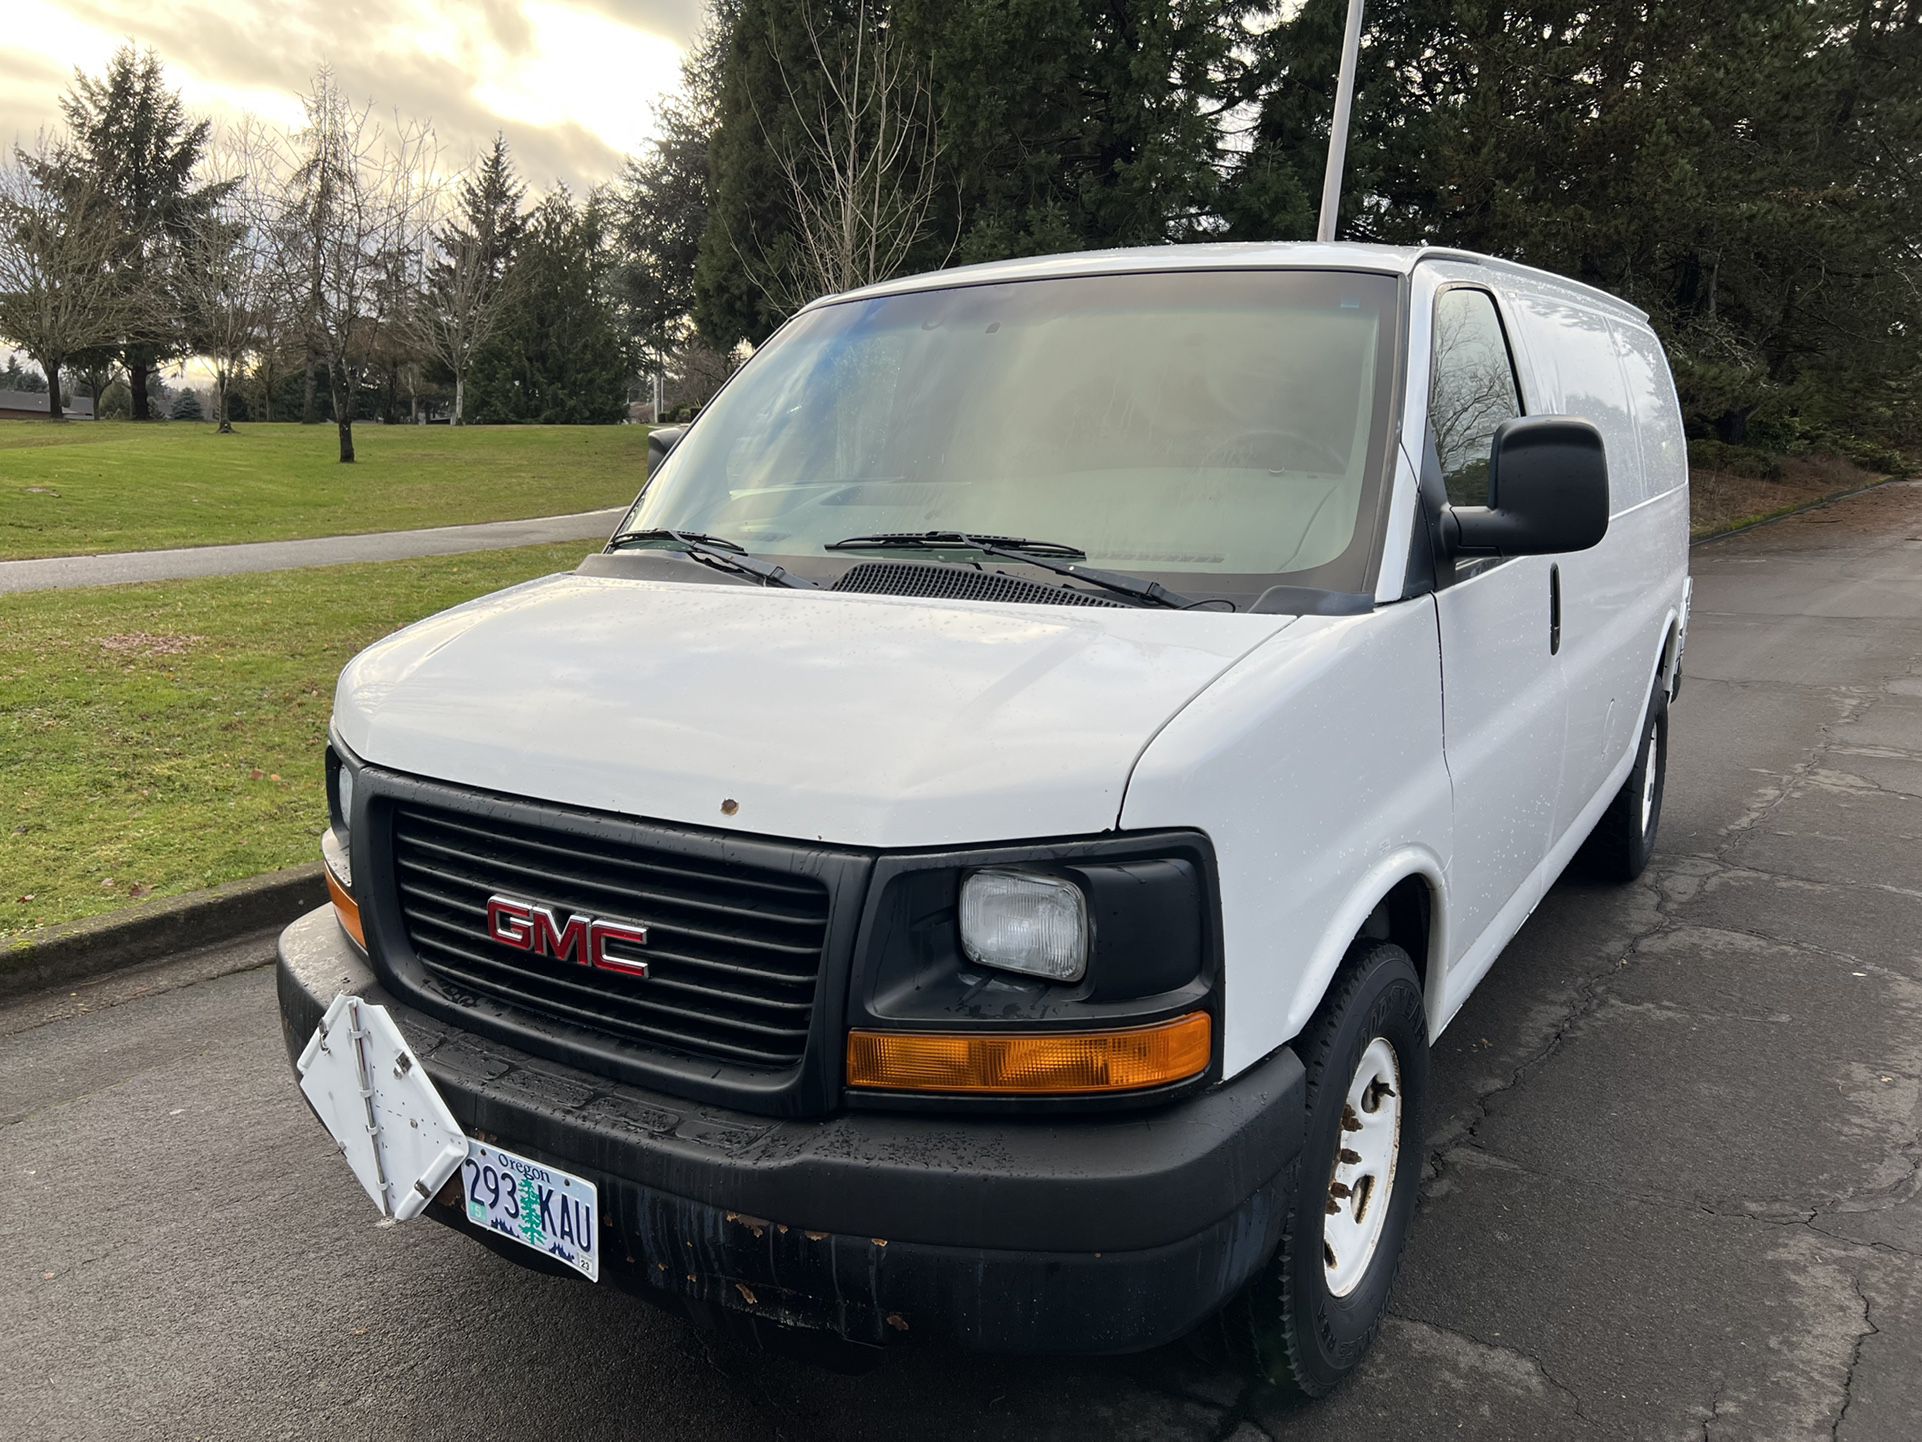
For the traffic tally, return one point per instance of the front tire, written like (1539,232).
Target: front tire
(1309,1317)
(1624,839)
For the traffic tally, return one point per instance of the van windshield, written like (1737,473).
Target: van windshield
(1225,430)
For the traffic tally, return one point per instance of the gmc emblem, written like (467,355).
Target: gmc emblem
(582,939)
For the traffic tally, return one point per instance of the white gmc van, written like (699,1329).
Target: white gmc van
(984,851)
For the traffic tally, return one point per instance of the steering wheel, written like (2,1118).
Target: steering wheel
(1254,440)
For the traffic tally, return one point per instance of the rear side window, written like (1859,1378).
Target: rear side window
(1658,418)
(1472,390)
(1579,351)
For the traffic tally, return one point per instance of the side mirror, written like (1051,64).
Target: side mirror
(660,441)
(1547,491)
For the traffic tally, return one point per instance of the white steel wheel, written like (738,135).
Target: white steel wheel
(1367,1149)
(1308,1319)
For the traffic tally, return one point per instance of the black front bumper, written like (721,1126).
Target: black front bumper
(1056,1234)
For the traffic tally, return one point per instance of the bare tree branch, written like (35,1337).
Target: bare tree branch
(860,179)
(58,243)
(355,194)
(229,279)
(462,296)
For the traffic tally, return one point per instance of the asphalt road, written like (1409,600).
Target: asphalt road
(119,568)
(1675,1185)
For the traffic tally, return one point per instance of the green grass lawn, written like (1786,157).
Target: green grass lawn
(114,486)
(162,738)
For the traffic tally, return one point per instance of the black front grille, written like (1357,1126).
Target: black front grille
(733,951)
(959,583)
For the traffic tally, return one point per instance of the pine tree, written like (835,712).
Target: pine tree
(134,143)
(1736,168)
(467,283)
(491,210)
(1074,123)
(494,223)
(1272,193)
(765,77)
(557,358)
(661,209)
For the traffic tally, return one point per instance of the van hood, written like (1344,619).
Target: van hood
(862,720)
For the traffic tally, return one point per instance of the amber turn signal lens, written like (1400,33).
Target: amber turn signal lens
(347,909)
(1032,1064)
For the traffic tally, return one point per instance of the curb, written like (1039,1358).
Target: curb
(82,950)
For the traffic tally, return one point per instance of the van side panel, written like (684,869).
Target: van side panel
(1577,352)
(1616,596)
(1316,768)
(1505,720)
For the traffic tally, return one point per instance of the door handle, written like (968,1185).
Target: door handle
(1554,610)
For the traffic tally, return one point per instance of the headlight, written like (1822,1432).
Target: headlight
(338,840)
(339,776)
(1027,922)
(336,846)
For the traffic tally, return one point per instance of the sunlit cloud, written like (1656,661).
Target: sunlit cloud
(581,68)
(573,84)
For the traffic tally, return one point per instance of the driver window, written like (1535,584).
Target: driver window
(1472,390)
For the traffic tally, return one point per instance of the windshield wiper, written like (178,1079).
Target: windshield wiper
(1152,592)
(686,539)
(718,552)
(942,540)
(1034,553)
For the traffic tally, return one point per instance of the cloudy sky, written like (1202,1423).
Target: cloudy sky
(572,83)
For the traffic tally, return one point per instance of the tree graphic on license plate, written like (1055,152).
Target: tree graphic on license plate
(531,1213)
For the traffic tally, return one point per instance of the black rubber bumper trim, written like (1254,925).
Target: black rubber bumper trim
(1071,1233)
(728,1268)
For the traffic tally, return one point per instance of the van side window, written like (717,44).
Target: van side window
(1658,418)
(1472,390)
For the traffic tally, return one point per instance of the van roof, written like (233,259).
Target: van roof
(1243,255)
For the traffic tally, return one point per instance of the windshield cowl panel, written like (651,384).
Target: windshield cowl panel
(1215,433)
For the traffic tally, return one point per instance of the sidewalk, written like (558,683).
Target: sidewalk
(126,567)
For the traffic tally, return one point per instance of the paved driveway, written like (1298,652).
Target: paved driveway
(1673,1188)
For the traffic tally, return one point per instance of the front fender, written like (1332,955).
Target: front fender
(1315,765)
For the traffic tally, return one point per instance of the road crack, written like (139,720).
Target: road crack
(1590,991)
(1714,1407)
(1532,1362)
(1869,1329)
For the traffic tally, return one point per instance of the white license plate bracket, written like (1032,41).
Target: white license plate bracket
(373,1096)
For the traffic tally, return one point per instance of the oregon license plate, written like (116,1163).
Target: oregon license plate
(539,1206)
